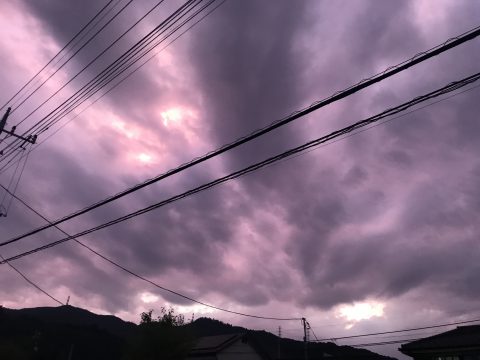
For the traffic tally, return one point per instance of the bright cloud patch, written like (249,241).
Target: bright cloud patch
(199,310)
(124,130)
(361,311)
(148,298)
(172,116)
(144,158)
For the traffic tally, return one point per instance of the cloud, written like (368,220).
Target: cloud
(389,214)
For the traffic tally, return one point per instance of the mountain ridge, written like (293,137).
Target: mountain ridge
(101,333)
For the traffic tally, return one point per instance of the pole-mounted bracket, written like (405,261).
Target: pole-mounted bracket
(30,138)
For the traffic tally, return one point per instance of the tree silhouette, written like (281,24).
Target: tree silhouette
(163,337)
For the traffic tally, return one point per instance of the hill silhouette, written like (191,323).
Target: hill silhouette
(54,332)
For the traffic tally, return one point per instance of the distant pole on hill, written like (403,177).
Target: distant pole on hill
(305,339)
(279,340)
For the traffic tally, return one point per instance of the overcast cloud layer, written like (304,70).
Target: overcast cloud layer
(387,218)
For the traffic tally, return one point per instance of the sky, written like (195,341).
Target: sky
(376,232)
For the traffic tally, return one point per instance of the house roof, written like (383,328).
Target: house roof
(461,337)
(207,347)
(213,344)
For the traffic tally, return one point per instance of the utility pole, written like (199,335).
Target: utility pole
(278,344)
(305,339)
(30,138)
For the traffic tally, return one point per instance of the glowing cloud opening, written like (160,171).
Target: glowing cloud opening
(172,116)
(148,298)
(360,311)
(144,158)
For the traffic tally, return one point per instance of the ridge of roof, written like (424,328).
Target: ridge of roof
(461,336)
(215,343)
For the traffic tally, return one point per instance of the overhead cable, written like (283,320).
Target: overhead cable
(420,57)
(402,330)
(311,144)
(151,282)
(66,62)
(313,331)
(382,343)
(106,78)
(93,86)
(315,106)
(30,281)
(86,91)
(58,54)
(450,43)
(10,162)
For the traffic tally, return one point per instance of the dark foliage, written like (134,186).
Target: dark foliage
(163,338)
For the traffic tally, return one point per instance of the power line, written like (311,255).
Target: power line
(58,118)
(299,149)
(454,85)
(7,208)
(110,72)
(32,128)
(30,281)
(131,272)
(382,343)
(187,20)
(416,59)
(96,57)
(313,331)
(70,58)
(140,66)
(10,183)
(316,105)
(268,161)
(386,121)
(98,83)
(450,43)
(73,46)
(10,162)
(390,71)
(209,305)
(402,330)
(402,336)
(63,49)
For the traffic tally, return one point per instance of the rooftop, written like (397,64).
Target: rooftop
(461,337)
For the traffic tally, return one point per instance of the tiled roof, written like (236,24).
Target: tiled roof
(461,337)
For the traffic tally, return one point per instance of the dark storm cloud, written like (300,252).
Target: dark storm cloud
(316,208)
(64,21)
(189,242)
(246,72)
(384,214)
(368,267)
